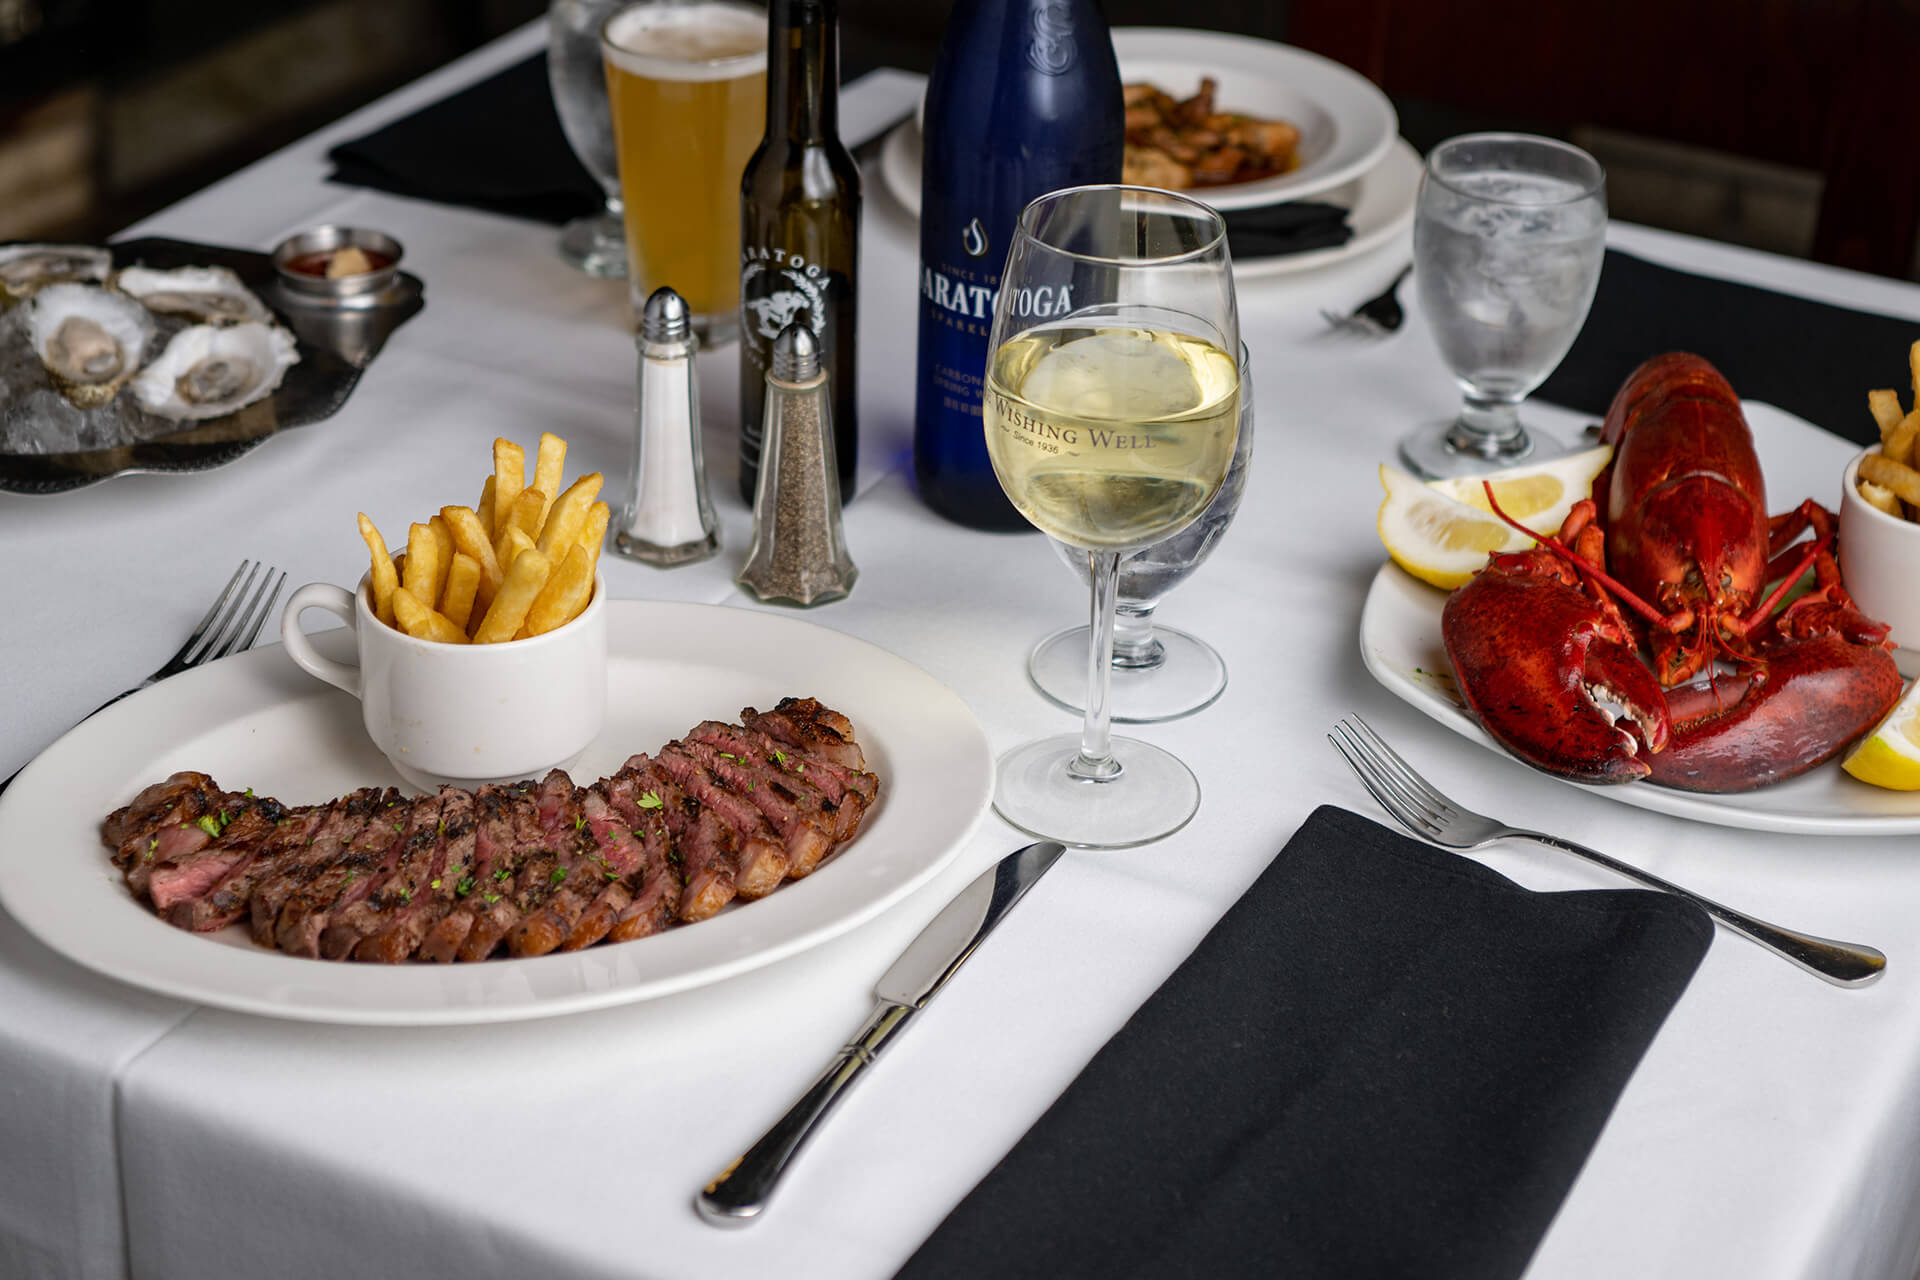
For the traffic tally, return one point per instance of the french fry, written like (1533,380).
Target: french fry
(1884,405)
(514,543)
(485,509)
(594,532)
(566,593)
(385,577)
(423,623)
(443,549)
(528,514)
(547,464)
(509,609)
(1876,496)
(463,585)
(471,539)
(421,567)
(1898,447)
(509,477)
(1903,480)
(1913,369)
(568,516)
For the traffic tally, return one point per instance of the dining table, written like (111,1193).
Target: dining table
(1771,1129)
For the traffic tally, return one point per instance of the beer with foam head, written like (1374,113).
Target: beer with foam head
(687,86)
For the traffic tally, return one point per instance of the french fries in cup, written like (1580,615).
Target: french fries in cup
(1879,542)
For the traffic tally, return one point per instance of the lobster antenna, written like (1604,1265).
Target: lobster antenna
(1634,602)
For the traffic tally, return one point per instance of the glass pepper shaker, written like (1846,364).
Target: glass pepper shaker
(667,519)
(799,553)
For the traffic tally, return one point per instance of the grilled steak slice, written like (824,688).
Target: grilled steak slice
(343,882)
(757,854)
(805,723)
(658,882)
(367,906)
(703,843)
(241,832)
(510,892)
(806,828)
(492,849)
(159,805)
(848,793)
(573,882)
(226,900)
(428,896)
(173,825)
(593,896)
(297,867)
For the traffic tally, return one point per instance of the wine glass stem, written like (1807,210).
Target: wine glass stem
(1487,427)
(1134,645)
(1095,763)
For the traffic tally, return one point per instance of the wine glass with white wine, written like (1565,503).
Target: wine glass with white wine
(1111,413)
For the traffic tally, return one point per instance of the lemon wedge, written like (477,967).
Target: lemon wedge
(1890,756)
(1538,495)
(1435,538)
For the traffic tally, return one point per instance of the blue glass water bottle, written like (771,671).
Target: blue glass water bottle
(1024,99)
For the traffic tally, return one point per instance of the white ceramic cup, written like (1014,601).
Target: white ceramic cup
(1880,562)
(464,714)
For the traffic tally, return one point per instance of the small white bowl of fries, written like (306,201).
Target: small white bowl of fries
(1880,535)
(482,650)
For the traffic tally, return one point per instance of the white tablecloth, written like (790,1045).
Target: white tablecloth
(1771,1130)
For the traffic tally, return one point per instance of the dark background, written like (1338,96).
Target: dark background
(1783,124)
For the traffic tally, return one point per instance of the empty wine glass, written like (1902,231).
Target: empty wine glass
(1111,414)
(595,243)
(1158,673)
(1508,235)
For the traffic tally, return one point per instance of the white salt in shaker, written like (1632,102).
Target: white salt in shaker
(667,519)
(799,553)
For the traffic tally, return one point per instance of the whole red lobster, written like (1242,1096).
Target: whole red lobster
(1647,642)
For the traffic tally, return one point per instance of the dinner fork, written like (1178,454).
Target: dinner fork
(1418,807)
(1378,316)
(228,627)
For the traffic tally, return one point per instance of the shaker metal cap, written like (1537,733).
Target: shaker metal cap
(796,354)
(665,318)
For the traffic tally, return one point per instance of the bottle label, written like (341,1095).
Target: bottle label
(778,287)
(1050,51)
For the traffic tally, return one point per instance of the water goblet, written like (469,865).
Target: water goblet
(1508,235)
(596,242)
(1159,673)
(1111,415)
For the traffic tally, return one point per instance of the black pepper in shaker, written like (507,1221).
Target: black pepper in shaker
(799,552)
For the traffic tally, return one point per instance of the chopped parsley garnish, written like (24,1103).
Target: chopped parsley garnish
(209,824)
(502,875)
(559,874)
(405,895)
(443,828)
(579,822)
(651,801)
(434,883)
(780,757)
(727,755)
(490,898)
(465,887)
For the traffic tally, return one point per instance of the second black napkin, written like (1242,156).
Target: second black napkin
(1815,360)
(1385,1060)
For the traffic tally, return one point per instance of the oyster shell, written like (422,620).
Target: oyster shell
(210,370)
(205,295)
(26,268)
(91,341)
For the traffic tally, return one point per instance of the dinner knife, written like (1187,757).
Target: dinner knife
(737,1196)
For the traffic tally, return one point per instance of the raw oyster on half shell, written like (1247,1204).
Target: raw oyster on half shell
(210,370)
(27,268)
(91,341)
(205,295)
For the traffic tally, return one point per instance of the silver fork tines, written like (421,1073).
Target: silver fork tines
(1378,316)
(1416,805)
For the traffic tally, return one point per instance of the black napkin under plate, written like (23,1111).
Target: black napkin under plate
(1279,229)
(1815,360)
(1384,1061)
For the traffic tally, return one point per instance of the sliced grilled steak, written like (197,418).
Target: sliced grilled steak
(428,896)
(758,856)
(368,906)
(156,806)
(657,884)
(540,843)
(848,793)
(597,892)
(226,900)
(804,723)
(704,844)
(492,848)
(806,827)
(572,884)
(298,867)
(358,867)
(242,830)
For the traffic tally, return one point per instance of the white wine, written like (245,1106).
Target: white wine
(1111,438)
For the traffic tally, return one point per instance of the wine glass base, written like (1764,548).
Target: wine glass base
(1430,453)
(595,244)
(1153,796)
(1191,676)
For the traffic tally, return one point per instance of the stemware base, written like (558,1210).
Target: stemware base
(595,244)
(1189,677)
(1153,795)
(1435,452)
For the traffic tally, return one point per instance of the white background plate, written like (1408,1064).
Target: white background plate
(257,721)
(1346,124)
(1400,642)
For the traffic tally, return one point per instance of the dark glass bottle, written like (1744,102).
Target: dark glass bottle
(800,227)
(1024,99)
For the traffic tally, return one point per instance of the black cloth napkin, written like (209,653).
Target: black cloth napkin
(495,145)
(1384,1061)
(1815,360)
(1285,228)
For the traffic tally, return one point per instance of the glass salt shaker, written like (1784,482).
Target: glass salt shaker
(667,519)
(799,553)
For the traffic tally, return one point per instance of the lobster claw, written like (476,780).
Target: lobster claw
(1553,674)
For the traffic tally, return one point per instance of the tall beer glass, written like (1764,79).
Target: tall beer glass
(687,84)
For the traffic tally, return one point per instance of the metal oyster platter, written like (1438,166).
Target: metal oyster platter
(57,436)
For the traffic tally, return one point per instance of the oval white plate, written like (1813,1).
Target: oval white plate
(256,720)
(1400,642)
(1346,124)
